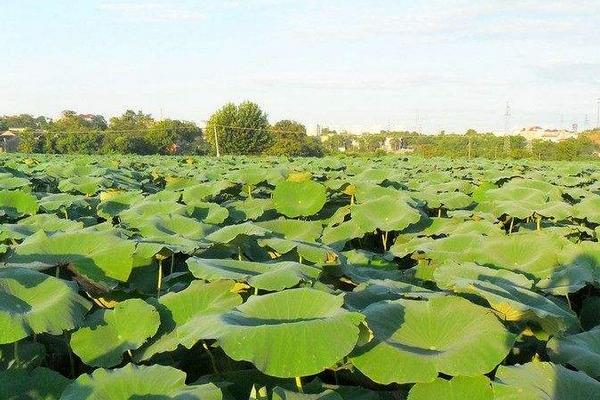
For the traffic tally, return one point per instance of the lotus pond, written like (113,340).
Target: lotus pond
(272,278)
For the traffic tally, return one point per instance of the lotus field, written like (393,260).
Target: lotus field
(269,278)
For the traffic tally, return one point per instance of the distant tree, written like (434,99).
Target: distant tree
(173,136)
(371,142)
(127,134)
(29,141)
(24,121)
(289,137)
(130,120)
(241,129)
(71,133)
(3,125)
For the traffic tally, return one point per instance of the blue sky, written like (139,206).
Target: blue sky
(356,65)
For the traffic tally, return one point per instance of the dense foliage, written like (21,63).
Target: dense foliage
(245,129)
(341,278)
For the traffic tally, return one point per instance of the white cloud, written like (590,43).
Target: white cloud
(153,11)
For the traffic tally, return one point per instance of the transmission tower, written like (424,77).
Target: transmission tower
(507,115)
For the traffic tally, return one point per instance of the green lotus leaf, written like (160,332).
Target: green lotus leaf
(447,274)
(519,202)
(459,388)
(314,252)
(511,301)
(60,201)
(209,213)
(283,394)
(386,213)
(296,332)
(447,200)
(543,380)
(16,204)
(114,202)
(39,384)
(248,176)
(365,258)
(551,191)
(415,340)
(376,290)
(366,192)
(107,334)
(535,254)
(200,193)
(33,302)
(138,382)
(248,209)
(299,199)
(163,196)
(268,276)
(49,223)
(230,232)
(146,209)
(568,279)
(180,233)
(294,229)
(9,182)
(337,236)
(88,185)
(556,210)
(588,209)
(101,256)
(581,351)
(177,308)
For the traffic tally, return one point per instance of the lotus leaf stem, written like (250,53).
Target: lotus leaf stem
(249,191)
(510,228)
(299,384)
(159,283)
(213,361)
(538,221)
(440,212)
(172,264)
(384,238)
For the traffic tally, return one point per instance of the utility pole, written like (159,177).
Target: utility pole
(506,127)
(598,113)
(216,141)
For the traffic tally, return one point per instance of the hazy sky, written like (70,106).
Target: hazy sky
(347,64)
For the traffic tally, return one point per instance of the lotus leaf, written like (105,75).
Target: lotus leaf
(415,340)
(33,302)
(107,334)
(296,332)
(299,199)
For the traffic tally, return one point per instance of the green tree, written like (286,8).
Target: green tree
(128,134)
(173,136)
(241,129)
(29,141)
(289,137)
(71,133)
(24,121)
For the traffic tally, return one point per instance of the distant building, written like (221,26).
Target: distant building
(539,133)
(9,140)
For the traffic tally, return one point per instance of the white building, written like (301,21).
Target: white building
(539,133)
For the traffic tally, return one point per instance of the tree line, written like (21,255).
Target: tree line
(245,129)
